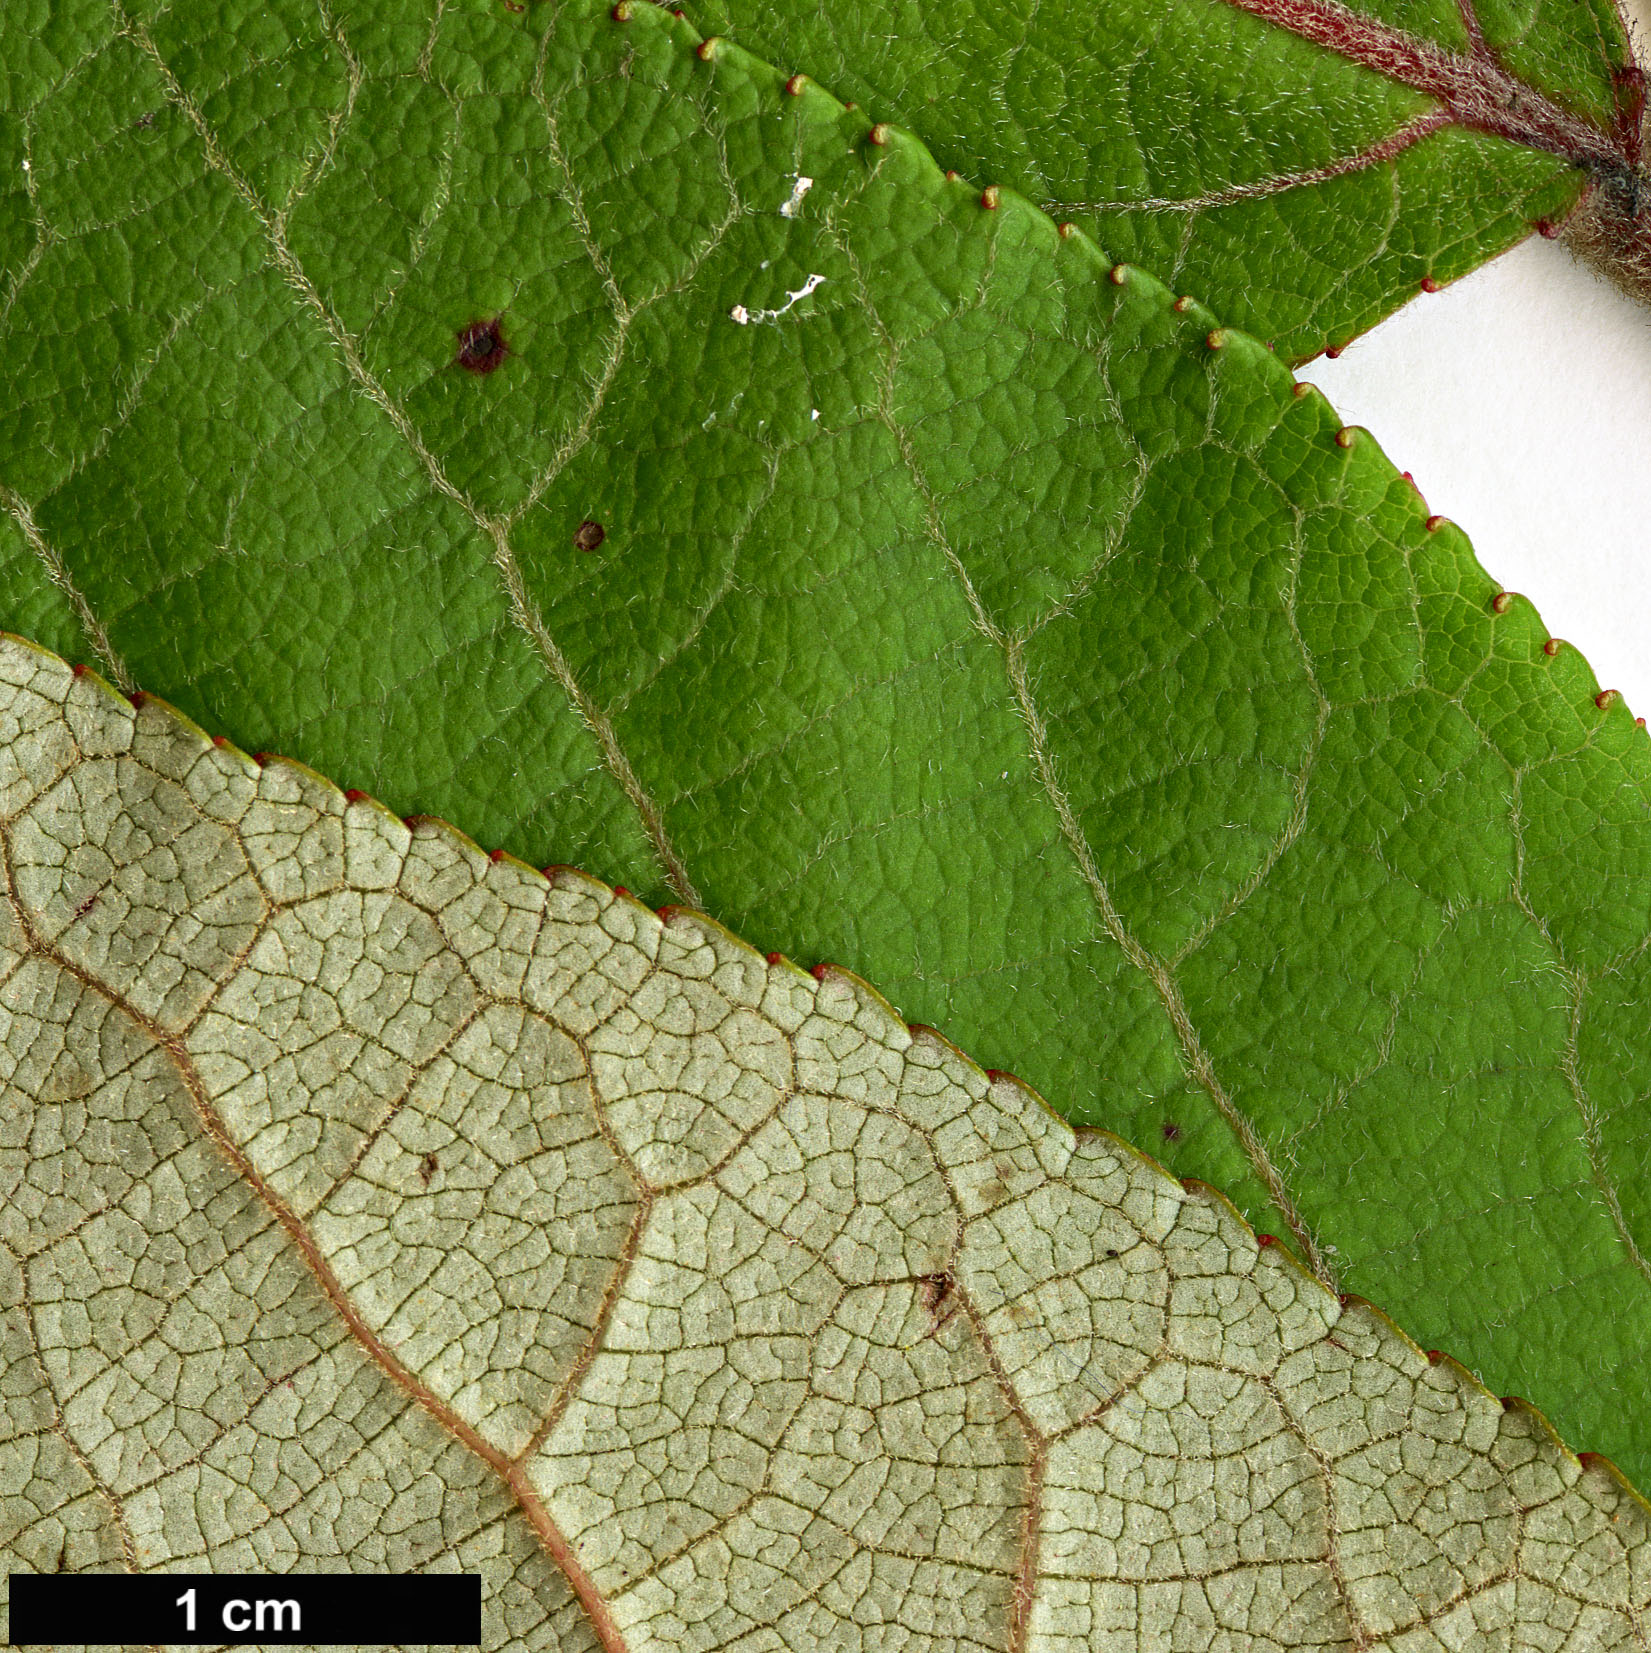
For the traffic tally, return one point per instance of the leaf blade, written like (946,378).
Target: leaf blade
(1017,699)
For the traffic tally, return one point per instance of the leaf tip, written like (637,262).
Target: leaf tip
(879,134)
(794,86)
(707,48)
(990,197)
(1605,698)
(1501,602)
(1552,647)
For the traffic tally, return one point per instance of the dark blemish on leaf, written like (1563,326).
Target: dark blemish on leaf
(1434,1357)
(1265,1240)
(1171,1131)
(87,905)
(619,889)
(588,535)
(1547,228)
(1334,350)
(355,796)
(63,1553)
(936,1291)
(1429,285)
(515,6)
(144,120)
(482,347)
(427,1168)
(137,699)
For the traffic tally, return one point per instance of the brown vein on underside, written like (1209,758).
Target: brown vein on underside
(510,1472)
(524,610)
(59,575)
(1477,91)
(1391,146)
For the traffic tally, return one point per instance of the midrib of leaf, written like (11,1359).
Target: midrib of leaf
(1477,92)
(528,617)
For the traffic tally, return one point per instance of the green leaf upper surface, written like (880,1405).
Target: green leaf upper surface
(1300,194)
(990,624)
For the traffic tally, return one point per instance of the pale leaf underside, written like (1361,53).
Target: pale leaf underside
(371,1202)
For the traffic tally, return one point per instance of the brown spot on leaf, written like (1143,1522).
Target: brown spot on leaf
(936,1292)
(1170,1131)
(427,1168)
(588,535)
(482,347)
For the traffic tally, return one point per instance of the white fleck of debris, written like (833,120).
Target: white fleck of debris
(1004,776)
(26,167)
(766,262)
(742,315)
(798,191)
(814,413)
